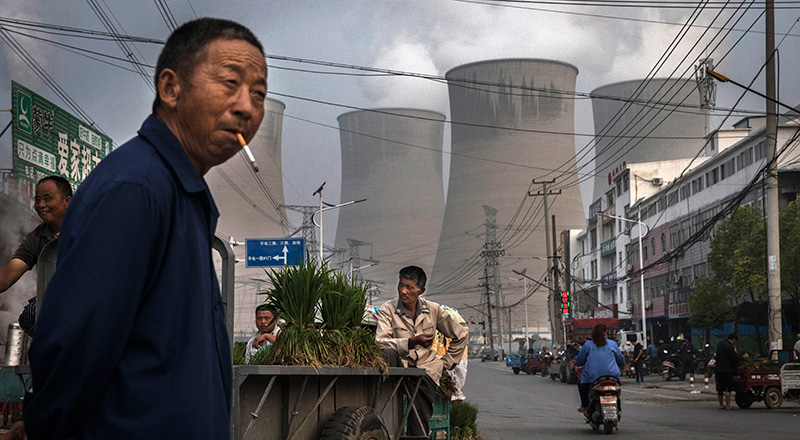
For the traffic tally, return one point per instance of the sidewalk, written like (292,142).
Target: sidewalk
(658,382)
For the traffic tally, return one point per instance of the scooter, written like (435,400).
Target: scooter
(604,404)
(673,367)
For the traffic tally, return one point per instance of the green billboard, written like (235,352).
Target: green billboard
(46,140)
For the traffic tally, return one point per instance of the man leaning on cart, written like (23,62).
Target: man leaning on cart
(406,328)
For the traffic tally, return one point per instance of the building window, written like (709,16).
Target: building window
(672,198)
(625,182)
(653,246)
(644,252)
(663,242)
(730,168)
(684,192)
(761,150)
(610,198)
(712,177)
(662,204)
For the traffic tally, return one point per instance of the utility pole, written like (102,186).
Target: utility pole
(771,182)
(706,86)
(557,282)
(551,299)
(307,230)
(488,309)
(492,250)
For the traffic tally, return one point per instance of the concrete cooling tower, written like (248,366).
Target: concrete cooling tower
(512,122)
(658,108)
(246,211)
(393,158)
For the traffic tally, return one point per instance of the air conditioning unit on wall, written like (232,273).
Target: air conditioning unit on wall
(648,304)
(657,181)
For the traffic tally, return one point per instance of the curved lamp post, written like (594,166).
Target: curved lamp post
(326,208)
(641,263)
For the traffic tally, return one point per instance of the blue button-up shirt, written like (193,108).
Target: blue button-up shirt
(599,361)
(131,339)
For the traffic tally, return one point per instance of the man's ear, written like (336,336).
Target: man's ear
(421,291)
(169,88)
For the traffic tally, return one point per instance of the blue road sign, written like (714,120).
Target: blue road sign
(265,252)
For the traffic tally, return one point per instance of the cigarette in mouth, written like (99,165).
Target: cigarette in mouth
(247,152)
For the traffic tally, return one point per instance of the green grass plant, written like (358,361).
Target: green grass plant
(463,425)
(295,294)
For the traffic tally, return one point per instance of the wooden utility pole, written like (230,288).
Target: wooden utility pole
(553,313)
(489,309)
(771,183)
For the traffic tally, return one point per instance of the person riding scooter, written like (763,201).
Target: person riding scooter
(598,357)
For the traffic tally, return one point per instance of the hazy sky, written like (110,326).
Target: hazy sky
(420,36)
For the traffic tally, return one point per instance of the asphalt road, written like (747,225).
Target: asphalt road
(524,407)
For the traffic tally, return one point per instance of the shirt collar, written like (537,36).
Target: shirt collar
(168,146)
(422,307)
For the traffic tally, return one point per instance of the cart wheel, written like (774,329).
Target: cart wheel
(773,398)
(744,399)
(354,423)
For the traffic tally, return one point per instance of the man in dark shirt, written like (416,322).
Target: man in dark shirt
(131,340)
(727,363)
(686,352)
(53,194)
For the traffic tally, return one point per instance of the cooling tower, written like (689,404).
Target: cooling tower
(393,158)
(512,121)
(661,109)
(246,211)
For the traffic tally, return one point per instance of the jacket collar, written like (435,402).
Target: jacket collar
(422,307)
(171,150)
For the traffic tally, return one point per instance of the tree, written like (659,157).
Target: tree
(709,306)
(790,254)
(738,258)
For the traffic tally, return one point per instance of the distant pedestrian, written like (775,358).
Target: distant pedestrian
(727,365)
(651,351)
(686,352)
(638,362)
(797,346)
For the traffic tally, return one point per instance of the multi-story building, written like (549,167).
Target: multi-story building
(676,200)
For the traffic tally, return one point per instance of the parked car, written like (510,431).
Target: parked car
(486,354)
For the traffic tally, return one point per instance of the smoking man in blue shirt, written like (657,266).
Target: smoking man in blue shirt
(131,341)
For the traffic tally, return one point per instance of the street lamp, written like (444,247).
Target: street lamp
(358,268)
(722,78)
(323,209)
(641,262)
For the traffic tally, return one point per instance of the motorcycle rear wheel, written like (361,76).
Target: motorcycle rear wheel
(608,427)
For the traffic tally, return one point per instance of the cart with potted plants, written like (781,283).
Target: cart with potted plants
(324,377)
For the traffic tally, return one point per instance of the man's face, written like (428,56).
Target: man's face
(264,321)
(224,96)
(49,203)
(409,291)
